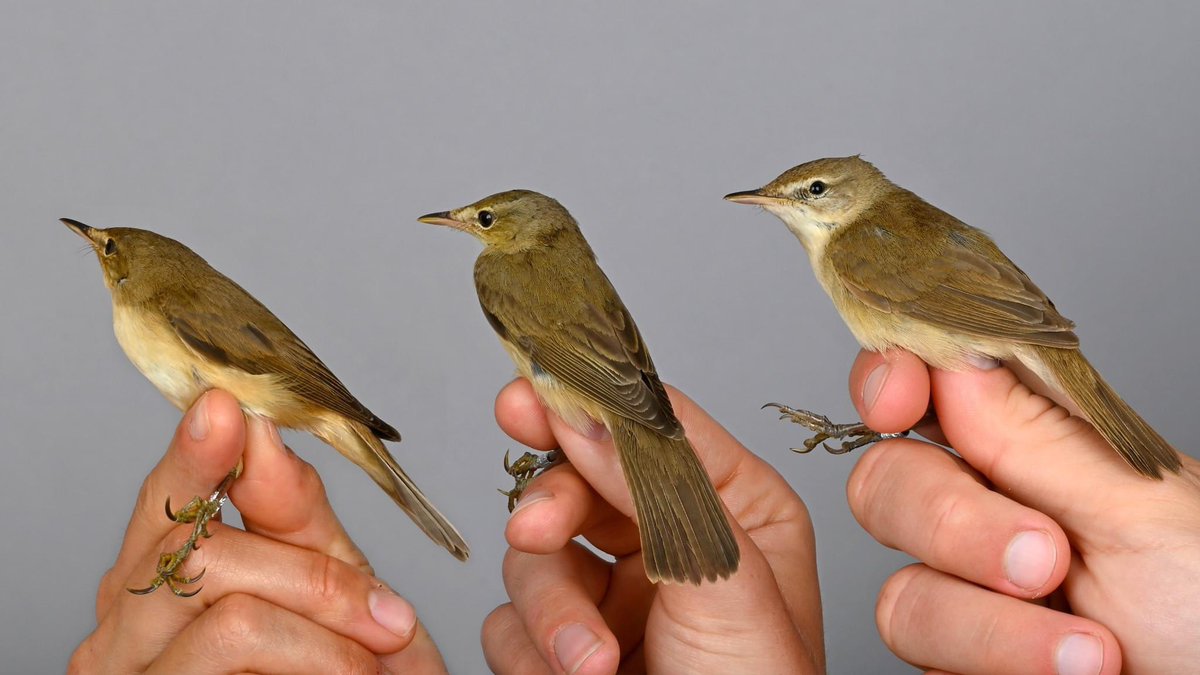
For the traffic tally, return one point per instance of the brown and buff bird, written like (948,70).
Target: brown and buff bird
(565,327)
(188,328)
(903,273)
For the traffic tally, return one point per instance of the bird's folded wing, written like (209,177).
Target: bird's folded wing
(598,352)
(228,338)
(942,280)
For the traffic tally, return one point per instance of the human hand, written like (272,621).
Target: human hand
(572,611)
(290,593)
(1041,508)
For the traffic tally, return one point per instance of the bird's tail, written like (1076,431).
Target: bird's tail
(1135,440)
(358,444)
(685,535)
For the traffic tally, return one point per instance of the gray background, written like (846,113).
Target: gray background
(293,146)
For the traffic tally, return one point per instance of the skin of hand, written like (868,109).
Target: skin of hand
(574,612)
(289,594)
(1040,551)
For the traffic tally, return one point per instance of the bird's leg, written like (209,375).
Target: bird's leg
(825,430)
(199,512)
(528,466)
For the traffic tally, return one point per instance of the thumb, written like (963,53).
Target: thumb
(1034,449)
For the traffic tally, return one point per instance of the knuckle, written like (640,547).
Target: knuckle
(497,625)
(862,490)
(895,609)
(107,592)
(325,579)
(83,660)
(512,563)
(353,659)
(953,512)
(149,506)
(236,623)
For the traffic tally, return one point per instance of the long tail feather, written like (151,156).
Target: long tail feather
(685,535)
(1136,441)
(361,446)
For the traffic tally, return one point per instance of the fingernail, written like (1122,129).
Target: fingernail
(198,425)
(392,611)
(981,362)
(573,645)
(531,497)
(1029,559)
(597,432)
(874,384)
(1079,654)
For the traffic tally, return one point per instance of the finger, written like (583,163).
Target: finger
(507,647)
(1035,451)
(206,447)
(917,498)
(782,595)
(760,501)
(281,497)
(889,389)
(522,416)
(558,506)
(242,633)
(420,657)
(737,474)
(325,590)
(555,596)
(939,621)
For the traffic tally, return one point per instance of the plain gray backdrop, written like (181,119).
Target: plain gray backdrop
(293,146)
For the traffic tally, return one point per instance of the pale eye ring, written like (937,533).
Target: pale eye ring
(110,247)
(817,188)
(486,218)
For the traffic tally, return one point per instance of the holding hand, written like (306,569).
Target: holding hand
(290,593)
(1039,507)
(574,612)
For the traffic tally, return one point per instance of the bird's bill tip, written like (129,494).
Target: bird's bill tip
(439,218)
(752,197)
(77,227)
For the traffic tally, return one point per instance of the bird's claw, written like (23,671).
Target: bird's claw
(188,513)
(853,436)
(170,576)
(526,468)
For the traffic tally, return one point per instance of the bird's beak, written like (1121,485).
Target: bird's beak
(79,228)
(443,218)
(754,197)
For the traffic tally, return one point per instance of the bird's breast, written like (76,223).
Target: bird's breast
(155,350)
(182,375)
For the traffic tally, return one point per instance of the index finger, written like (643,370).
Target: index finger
(205,449)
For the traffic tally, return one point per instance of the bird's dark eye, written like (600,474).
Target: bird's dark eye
(486,219)
(110,247)
(817,188)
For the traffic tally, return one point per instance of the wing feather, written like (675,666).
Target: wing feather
(250,338)
(952,276)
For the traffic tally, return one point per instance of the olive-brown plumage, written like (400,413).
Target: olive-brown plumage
(903,273)
(565,327)
(188,328)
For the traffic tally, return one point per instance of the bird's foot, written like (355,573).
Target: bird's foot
(824,429)
(526,468)
(170,576)
(199,512)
